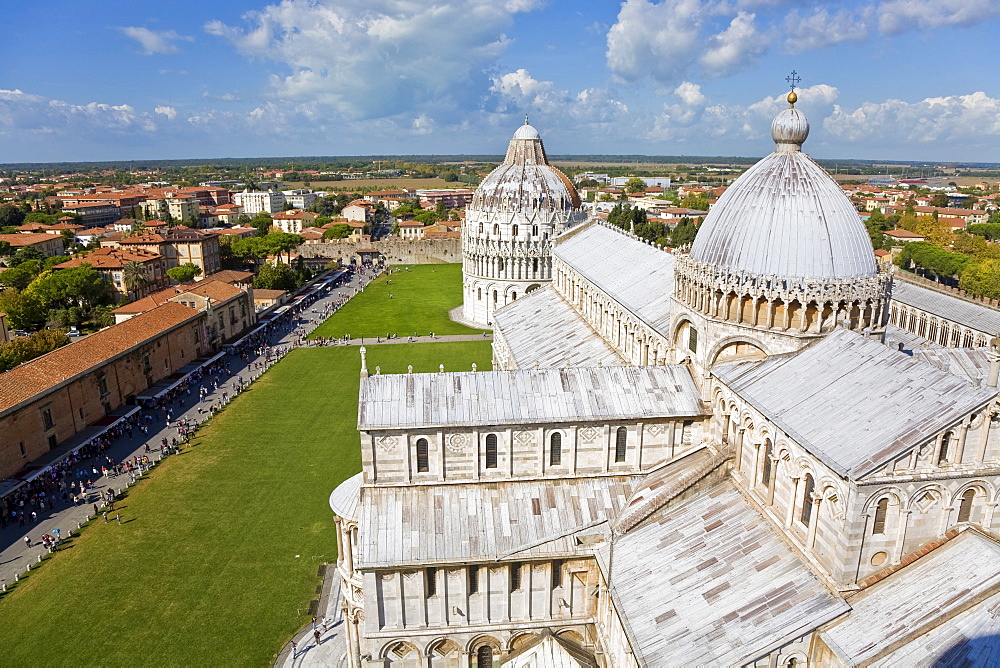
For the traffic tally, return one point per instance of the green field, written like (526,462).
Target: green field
(422,295)
(217,560)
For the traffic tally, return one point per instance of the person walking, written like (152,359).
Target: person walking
(27,541)
(317,637)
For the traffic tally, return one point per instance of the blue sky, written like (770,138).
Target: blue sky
(133,79)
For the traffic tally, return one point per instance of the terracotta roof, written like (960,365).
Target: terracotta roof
(903,234)
(44,373)
(150,302)
(27,239)
(169,235)
(217,291)
(110,258)
(230,276)
(881,253)
(267,294)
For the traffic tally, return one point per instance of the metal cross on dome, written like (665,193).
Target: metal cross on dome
(793,79)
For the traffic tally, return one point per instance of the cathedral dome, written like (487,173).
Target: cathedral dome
(526,181)
(786,217)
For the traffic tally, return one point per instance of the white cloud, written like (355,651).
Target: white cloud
(657,40)
(896,16)
(823,28)
(931,120)
(169,112)
(690,94)
(735,48)
(423,125)
(24,112)
(377,58)
(155,41)
(519,91)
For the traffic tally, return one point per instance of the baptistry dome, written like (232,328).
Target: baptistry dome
(786,217)
(526,181)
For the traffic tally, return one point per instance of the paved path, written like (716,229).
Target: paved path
(16,555)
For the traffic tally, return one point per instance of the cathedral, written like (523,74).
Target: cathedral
(762,450)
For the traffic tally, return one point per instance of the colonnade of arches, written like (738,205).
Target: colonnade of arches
(785,314)
(482,651)
(508,268)
(934,328)
(633,339)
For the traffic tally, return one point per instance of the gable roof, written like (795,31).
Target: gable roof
(852,402)
(396,401)
(32,378)
(711,583)
(975,316)
(639,276)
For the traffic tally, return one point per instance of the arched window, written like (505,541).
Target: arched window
(479,294)
(496,230)
(881,508)
(945,447)
(534,265)
(555,449)
(808,487)
(484,657)
(499,264)
(692,339)
(513,230)
(494,297)
(491,451)
(513,296)
(965,507)
(765,475)
(423,464)
(621,440)
(431,583)
(480,228)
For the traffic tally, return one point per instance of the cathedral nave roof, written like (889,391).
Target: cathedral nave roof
(852,402)
(526,326)
(527,396)
(710,583)
(949,307)
(638,276)
(922,606)
(486,521)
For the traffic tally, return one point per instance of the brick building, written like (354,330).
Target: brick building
(49,399)
(110,263)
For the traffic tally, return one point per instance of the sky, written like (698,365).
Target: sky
(140,79)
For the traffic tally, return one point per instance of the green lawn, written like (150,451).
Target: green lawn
(217,561)
(421,299)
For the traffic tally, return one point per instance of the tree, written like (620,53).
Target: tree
(982,278)
(24,310)
(277,276)
(80,286)
(635,185)
(11,216)
(5,249)
(26,253)
(263,222)
(134,277)
(25,348)
(184,273)
(683,233)
(939,200)
(696,202)
(341,231)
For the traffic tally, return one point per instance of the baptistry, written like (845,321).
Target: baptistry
(507,237)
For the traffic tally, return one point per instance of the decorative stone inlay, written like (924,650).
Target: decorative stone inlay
(457,442)
(589,433)
(524,437)
(654,429)
(387,443)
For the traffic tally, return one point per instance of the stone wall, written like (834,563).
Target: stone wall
(422,251)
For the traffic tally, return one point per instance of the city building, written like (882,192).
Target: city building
(111,264)
(254,202)
(294,221)
(47,400)
(509,225)
(711,457)
(300,199)
(48,245)
(179,245)
(451,198)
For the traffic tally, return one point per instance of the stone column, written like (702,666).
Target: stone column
(984,436)
(963,433)
(774,478)
(904,520)
(817,500)
(353,641)
(790,515)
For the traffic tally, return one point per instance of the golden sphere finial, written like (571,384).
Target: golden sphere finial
(792,98)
